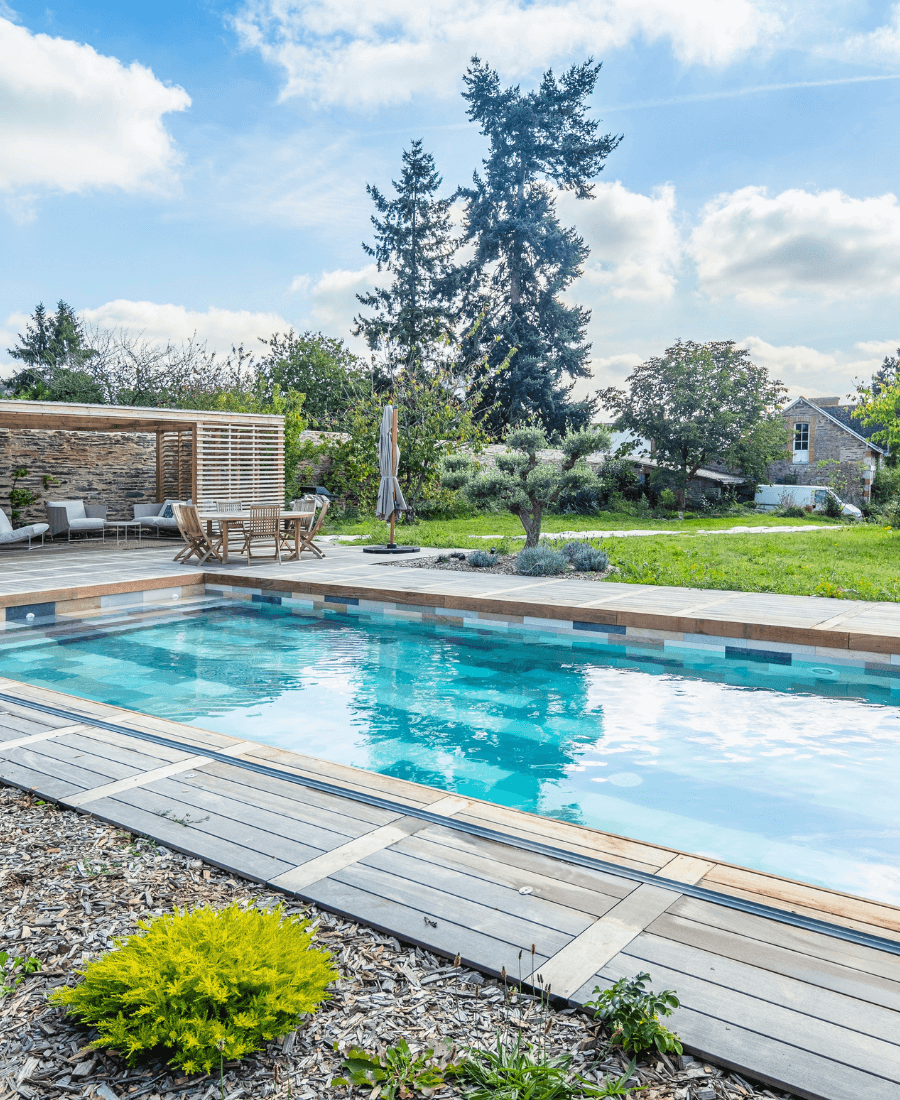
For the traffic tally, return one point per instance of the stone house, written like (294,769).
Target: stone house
(828,446)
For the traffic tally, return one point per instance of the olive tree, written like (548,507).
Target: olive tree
(521,482)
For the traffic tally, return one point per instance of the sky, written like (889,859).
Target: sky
(199,166)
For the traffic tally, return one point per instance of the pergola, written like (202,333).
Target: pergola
(206,456)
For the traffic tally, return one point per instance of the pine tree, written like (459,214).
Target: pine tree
(55,353)
(523,258)
(413,241)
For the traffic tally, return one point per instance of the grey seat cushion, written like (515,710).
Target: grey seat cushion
(86,524)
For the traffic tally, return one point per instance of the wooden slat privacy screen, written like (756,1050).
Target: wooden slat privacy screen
(242,462)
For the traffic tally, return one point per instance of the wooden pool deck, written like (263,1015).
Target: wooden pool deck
(785,982)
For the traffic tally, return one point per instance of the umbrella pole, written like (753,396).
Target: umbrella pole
(394,419)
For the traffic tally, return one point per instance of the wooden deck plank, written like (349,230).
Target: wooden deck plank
(793,964)
(327,812)
(800,940)
(824,910)
(388,914)
(282,795)
(813,1000)
(565,972)
(439,905)
(230,855)
(217,822)
(799,893)
(457,882)
(757,1005)
(429,844)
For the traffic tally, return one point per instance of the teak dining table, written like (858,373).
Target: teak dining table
(227,520)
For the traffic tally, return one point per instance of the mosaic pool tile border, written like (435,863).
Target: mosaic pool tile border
(51,618)
(574,631)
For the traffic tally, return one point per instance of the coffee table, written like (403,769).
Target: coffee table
(122,525)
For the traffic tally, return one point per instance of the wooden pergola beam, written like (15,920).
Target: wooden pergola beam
(231,454)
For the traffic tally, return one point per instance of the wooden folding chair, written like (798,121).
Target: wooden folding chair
(306,537)
(264,524)
(195,538)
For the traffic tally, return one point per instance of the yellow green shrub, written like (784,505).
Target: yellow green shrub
(203,985)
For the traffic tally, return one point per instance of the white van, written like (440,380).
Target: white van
(770,497)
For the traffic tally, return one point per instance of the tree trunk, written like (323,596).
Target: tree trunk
(531,521)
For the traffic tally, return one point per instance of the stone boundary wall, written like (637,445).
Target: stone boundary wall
(114,468)
(855,475)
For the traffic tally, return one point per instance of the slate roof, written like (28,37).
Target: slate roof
(843,415)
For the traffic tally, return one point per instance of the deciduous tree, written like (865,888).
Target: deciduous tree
(702,403)
(524,484)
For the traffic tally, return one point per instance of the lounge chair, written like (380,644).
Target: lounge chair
(158,517)
(264,524)
(9,535)
(70,517)
(196,540)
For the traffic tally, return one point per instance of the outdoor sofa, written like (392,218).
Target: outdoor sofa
(70,517)
(158,517)
(8,535)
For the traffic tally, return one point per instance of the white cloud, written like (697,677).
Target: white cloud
(812,373)
(634,240)
(333,298)
(363,54)
(826,244)
(73,119)
(219,328)
(880,46)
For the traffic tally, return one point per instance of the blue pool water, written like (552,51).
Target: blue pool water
(792,769)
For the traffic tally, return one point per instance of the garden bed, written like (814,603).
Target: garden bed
(505,565)
(69,883)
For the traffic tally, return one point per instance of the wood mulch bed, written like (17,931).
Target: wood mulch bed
(506,565)
(69,883)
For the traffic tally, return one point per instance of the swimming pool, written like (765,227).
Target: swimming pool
(787,768)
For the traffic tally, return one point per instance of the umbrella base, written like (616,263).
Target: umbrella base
(390,548)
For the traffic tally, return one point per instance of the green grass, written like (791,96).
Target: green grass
(859,563)
(461,532)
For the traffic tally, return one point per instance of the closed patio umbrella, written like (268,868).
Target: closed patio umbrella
(390,495)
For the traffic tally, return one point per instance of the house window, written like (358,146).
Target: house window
(801,444)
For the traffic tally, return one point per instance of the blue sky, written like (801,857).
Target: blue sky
(201,166)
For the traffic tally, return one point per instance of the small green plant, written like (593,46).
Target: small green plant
(204,986)
(585,558)
(540,561)
(668,500)
(632,1013)
(481,559)
(514,1071)
(396,1071)
(9,964)
(833,507)
(791,511)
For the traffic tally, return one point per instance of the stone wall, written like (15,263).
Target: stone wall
(830,442)
(113,468)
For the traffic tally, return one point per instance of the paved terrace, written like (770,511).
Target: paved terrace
(62,575)
(780,980)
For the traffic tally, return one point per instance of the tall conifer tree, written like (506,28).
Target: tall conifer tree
(523,258)
(413,241)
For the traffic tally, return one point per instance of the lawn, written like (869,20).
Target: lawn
(462,532)
(856,563)
(860,562)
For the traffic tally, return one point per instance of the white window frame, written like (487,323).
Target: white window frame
(801,435)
